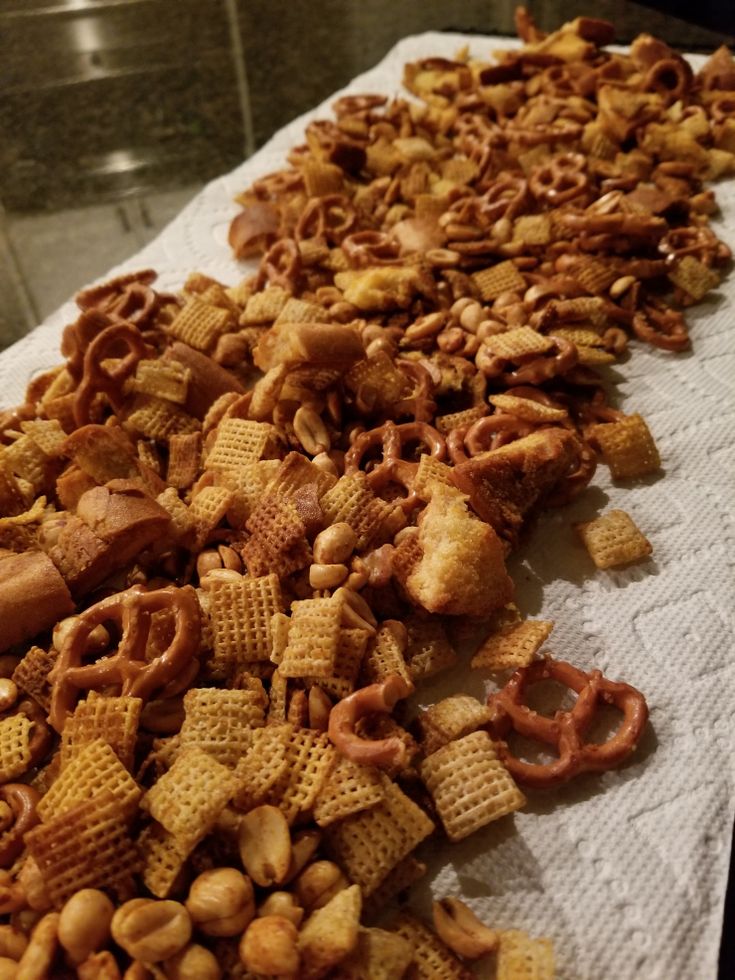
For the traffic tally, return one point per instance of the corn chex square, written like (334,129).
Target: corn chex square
(450,719)
(527,409)
(114,719)
(187,799)
(381,376)
(313,638)
(378,955)
(247,485)
(300,311)
(350,788)
(277,540)
(522,958)
(432,958)
(694,277)
(532,229)
(384,656)
(95,770)
(240,614)
(310,757)
(263,766)
(163,379)
(369,844)
(296,472)
(238,442)
(200,325)
(429,650)
(628,447)
(350,652)
(15,746)
(614,539)
(163,857)
(469,785)
(184,459)
(430,472)
(221,722)
(207,509)
(351,500)
(85,847)
(518,342)
(514,645)
(594,276)
(497,279)
(455,420)
(265,306)
(31,674)
(47,434)
(158,419)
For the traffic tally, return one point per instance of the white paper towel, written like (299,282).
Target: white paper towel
(626,871)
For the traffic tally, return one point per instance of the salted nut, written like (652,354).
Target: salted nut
(221,902)
(462,931)
(283,904)
(151,931)
(270,947)
(265,845)
(319,883)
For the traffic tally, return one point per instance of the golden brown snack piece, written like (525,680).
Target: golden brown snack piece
(33,596)
(613,540)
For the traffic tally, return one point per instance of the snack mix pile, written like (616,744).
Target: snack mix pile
(240,525)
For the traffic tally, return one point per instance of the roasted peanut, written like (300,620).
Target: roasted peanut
(320,704)
(151,931)
(311,431)
(195,962)
(318,883)
(270,946)
(13,942)
(265,845)
(303,848)
(621,286)
(325,463)
(327,576)
(283,904)
(99,966)
(334,544)
(9,693)
(8,968)
(461,930)
(84,923)
(356,613)
(31,882)
(221,902)
(38,956)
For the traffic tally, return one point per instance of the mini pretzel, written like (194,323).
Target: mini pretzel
(393,468)
(330,217)
(98,378)
(127,668)
(419,403)
(567,729)
(280,266)
(384,753)
(561,180)
(366,248)
(485,434)
(664,328)
(531,372)
(22,801)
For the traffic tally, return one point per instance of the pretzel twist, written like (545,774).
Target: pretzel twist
(384,753)
(97,377)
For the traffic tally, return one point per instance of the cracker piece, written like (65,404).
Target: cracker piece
(263,767)
(351,500)
(432,958)
(594,276)
(310,757)
(455,420)
(300,311)
(15,747)
(240,614)
(187,799)
(163,379)
(238,442)
(522,958)
(94,770)
(469,785)
(85,847)
(158,419)
(614,539)
(532,229)
(349,789)
(429,650)
(163,857)
(450,719)
(31,674)
(518,342)
(514,645)
(384,656)
(264,307)
(350,652)
(278,540)
(221,722)
(47,434)
(693,276)
(628,447)
(405,874)
(368,845)
(527,409)
(377,378)
(114,719)
(378,955)
(431,471)
(497,279)
(184,460)
(200,325)
(296,472)
(313,638)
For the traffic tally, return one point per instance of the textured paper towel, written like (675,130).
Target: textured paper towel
(625,871)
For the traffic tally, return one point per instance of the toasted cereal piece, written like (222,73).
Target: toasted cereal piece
(518,342)
(183,525)
(207,508)
(184,460)
(85,847)
(405,874)
(247,486)
(580,336)
(321,179)
(31,674)
(157,419)
(11,497)
(522,958)
(514,645)
(277,698)
(693,276)
(384,656)
(187,799)
(628,447)
(455,420)
(313,638)
(26,461)
(150,459)
(94,770)
(594,355)
(497,279)
(263,767)
(378,955)
(596,277)
(469,785)
(200,325)
(614,539)
(429,651)
(114,719)
(310,757)
(432,958)
(350,653)
(15,747)
(296,472)
(430,471)
(280,624)
(378,378)
(238,442)
(369,844)
(264,307)
(240,614)
(163,379)
(299,311)
(330,933)
(221,722)
(47,434)
(532,229)
(527,409)
(277,540)
(351,500)
(450,719)
(350,788)
(163,857)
